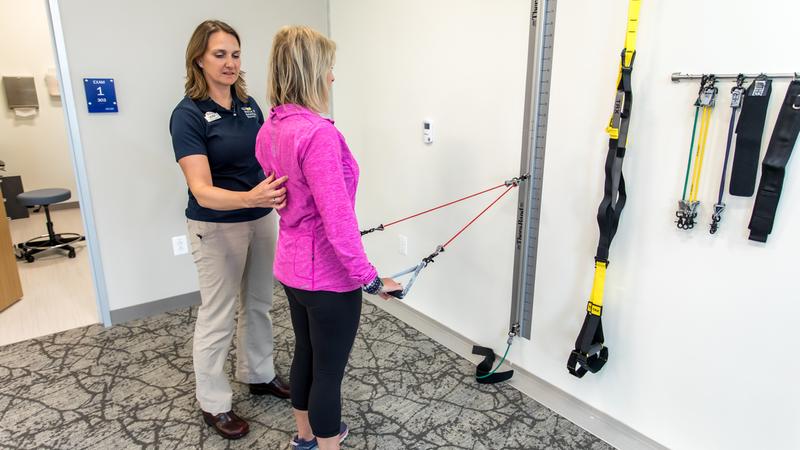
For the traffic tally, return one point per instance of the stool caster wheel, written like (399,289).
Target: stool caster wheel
(71,254)
(29,258)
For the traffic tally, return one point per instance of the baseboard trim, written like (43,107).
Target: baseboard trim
(155,307)
(576,411)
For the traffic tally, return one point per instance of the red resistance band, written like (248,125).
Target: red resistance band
(510,184)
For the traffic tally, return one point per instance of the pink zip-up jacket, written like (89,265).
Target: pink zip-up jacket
(319,244)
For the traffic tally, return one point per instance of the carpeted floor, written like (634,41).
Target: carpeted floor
(132,386)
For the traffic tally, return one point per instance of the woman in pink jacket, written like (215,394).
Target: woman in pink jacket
(320,259)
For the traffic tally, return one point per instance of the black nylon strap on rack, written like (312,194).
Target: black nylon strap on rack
(737,97)
(749,133)
(486,365)
(773,168)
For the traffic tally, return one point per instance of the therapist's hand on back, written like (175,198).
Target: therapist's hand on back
(268,193)
(389,285)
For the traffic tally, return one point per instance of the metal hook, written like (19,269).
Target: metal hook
(740,80)
(516,180)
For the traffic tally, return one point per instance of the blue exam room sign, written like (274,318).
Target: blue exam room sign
(100,95)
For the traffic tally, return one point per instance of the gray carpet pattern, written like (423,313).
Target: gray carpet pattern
(132,386)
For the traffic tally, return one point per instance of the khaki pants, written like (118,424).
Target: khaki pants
(234,265)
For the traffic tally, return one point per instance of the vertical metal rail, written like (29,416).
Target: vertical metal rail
(537,102)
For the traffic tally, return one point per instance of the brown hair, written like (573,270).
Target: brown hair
(196,87)
(298,68)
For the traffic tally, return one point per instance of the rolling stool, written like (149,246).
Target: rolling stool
(51,240)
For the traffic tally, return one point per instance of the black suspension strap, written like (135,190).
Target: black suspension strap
(737,97)
(749,133)
(773,168)
(590,353)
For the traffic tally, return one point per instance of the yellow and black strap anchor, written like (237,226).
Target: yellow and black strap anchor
(590,353)
(688,205)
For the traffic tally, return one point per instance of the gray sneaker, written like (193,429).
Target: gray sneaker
(302,444)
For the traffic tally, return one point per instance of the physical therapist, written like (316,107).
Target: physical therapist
(231,230)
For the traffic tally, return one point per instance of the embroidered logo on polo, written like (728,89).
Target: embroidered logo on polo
(249,112)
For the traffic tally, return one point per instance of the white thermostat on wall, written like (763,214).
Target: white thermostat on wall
(427,131)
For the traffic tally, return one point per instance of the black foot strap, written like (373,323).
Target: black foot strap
(486,366)
(590,355)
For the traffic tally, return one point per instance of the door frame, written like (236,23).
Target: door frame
(79,162)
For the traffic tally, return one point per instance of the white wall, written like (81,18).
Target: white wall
(138,191)
(700,327)
(397,65)
(35,148)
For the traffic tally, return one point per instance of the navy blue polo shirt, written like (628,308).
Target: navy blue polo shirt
(228,138)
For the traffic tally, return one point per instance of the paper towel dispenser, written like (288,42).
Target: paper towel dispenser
(20,92)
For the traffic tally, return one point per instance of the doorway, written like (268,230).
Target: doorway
(59,288)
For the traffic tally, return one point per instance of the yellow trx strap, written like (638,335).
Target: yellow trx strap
(590,353)
(629,52)
(595,305)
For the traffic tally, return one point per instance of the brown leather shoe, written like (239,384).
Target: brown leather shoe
(275,387)
(228,424)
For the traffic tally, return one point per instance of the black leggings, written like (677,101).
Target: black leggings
(325,326)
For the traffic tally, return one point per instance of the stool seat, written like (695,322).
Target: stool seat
(43,197)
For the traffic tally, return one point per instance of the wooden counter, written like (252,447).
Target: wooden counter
(10,287)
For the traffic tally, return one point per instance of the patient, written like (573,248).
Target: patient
(320,259)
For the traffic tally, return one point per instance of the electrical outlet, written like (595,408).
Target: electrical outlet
(403,244)
(180,246)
